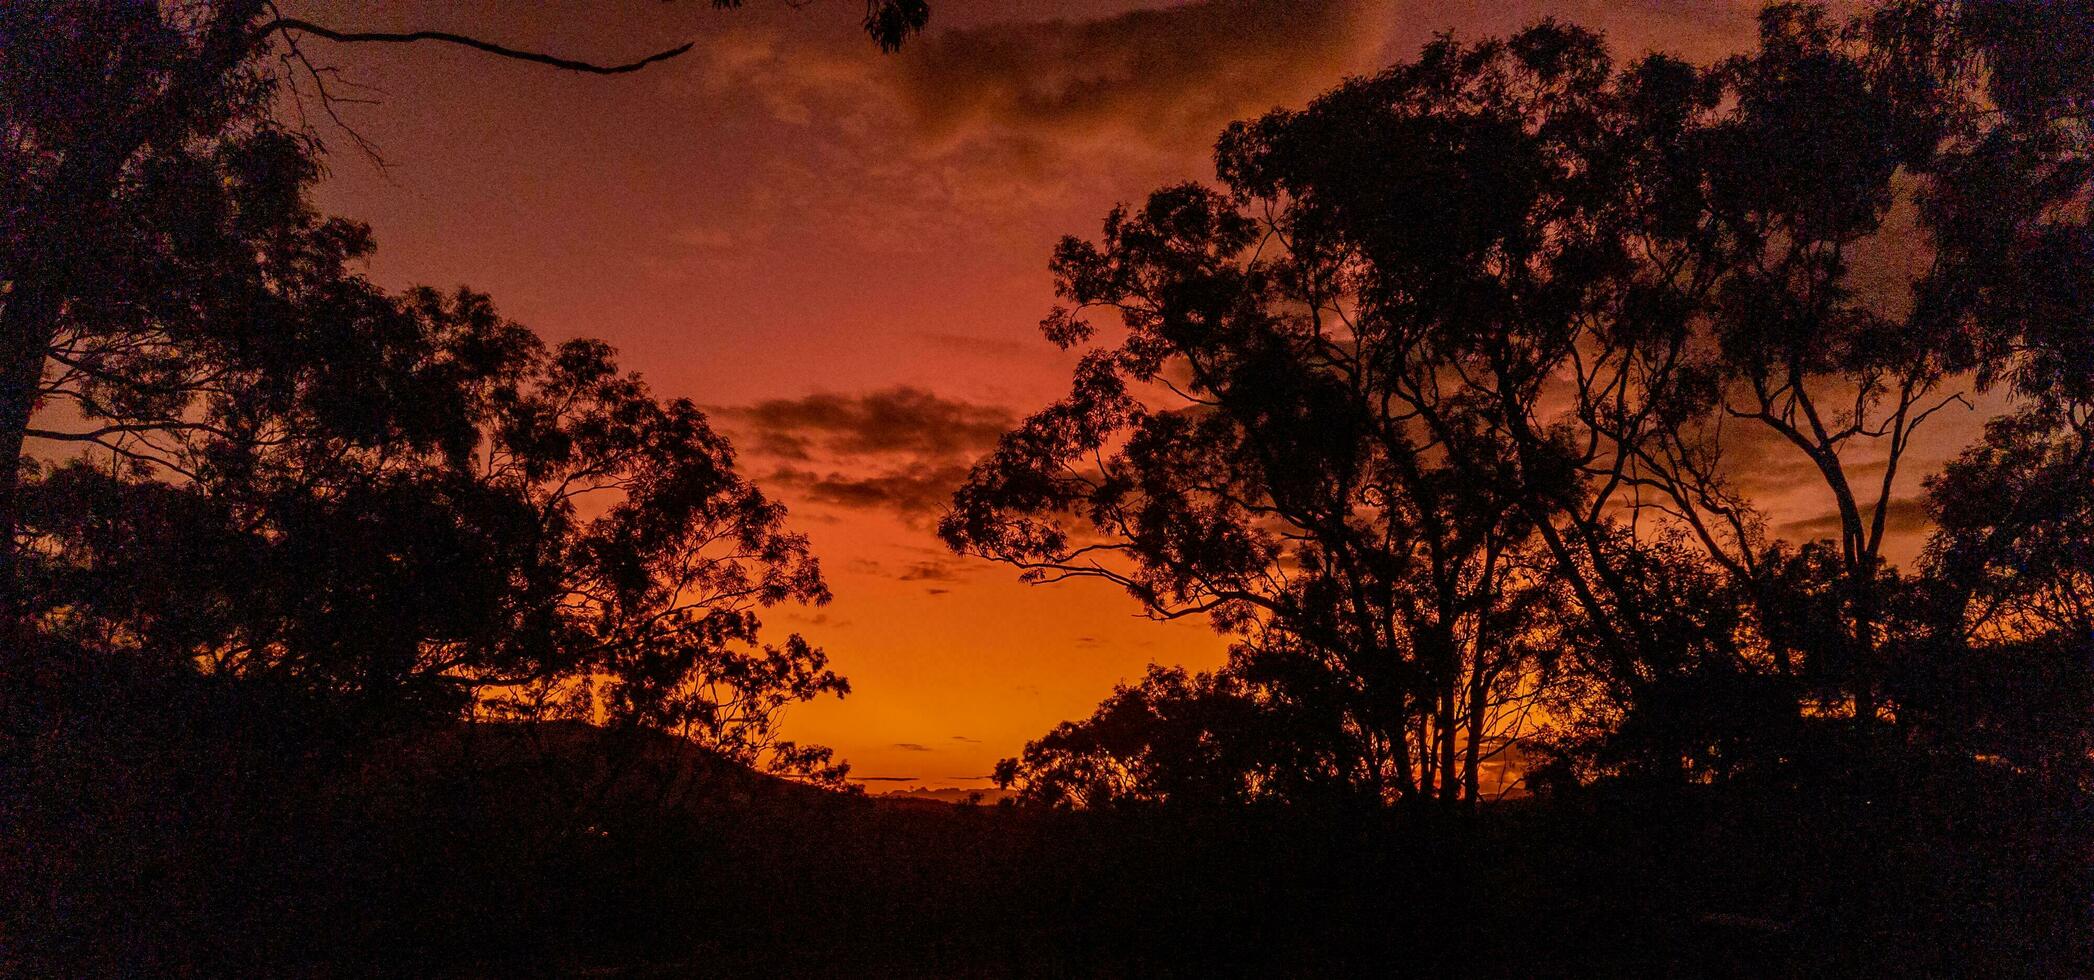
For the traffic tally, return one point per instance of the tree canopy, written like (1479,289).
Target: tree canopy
(1458,381)
(154,219)
(263,465)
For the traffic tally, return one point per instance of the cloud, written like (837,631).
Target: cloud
(1168,78)
(913,495)
(994,348)
(1906,516)
(988,134)
(970,741)
(951,794)
(912,746)
(892,420)
(822,618)
(931,571)
(1165,79)
(945,570)
(902,450)
(1762,463)
(975,135)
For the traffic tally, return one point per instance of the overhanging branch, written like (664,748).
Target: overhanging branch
(288,24)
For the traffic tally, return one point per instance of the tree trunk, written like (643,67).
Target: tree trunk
(1400,746)
(25,324)
(1471,783)
(1450,781)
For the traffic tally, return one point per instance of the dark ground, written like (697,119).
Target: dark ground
(231,838)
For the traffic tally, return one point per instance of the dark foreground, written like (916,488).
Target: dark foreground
(213,841)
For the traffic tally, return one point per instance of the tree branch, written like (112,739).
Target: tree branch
(287,24)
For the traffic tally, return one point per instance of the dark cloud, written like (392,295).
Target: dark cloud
(902,450)
(970,741)
(885,779)
(931,571)
(912,746)
(1908,516)
(1172,77)
(1167,79)
(914,495)
(901,420)
(972,135)
(817,619)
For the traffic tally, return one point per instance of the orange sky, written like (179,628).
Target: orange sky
(842,255)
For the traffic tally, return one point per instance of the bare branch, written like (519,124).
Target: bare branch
(289,24)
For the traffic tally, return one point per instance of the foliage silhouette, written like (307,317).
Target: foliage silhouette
(153,216)
(443,512)
(1446,387)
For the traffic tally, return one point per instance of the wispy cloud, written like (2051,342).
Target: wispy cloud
(970,128)
(892,420)
(913,495)
(1904,517)
(971,135)
(1168,77)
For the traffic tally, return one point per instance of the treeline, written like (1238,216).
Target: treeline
(1465,403)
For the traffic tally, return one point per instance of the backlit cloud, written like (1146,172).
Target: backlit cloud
(894,420)
(1168,78)
(901,450)
(1903,518)
(977,135)
(913,495)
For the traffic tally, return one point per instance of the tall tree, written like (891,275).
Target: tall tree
(1291,437)
(1509,302)
(1806,159)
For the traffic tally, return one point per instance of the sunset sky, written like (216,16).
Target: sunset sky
(842,255)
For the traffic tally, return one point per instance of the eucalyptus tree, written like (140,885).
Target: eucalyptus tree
(154,210)
(1470,366)
(445,516)
(1884,224)
(1311,429)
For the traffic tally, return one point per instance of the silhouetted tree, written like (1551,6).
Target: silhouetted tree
(1793,164)
(445,512)
(152,209)
(1173,738)
(1313,422)
(2006,669)
(1451,380)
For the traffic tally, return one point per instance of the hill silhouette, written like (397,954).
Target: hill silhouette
(948,795)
